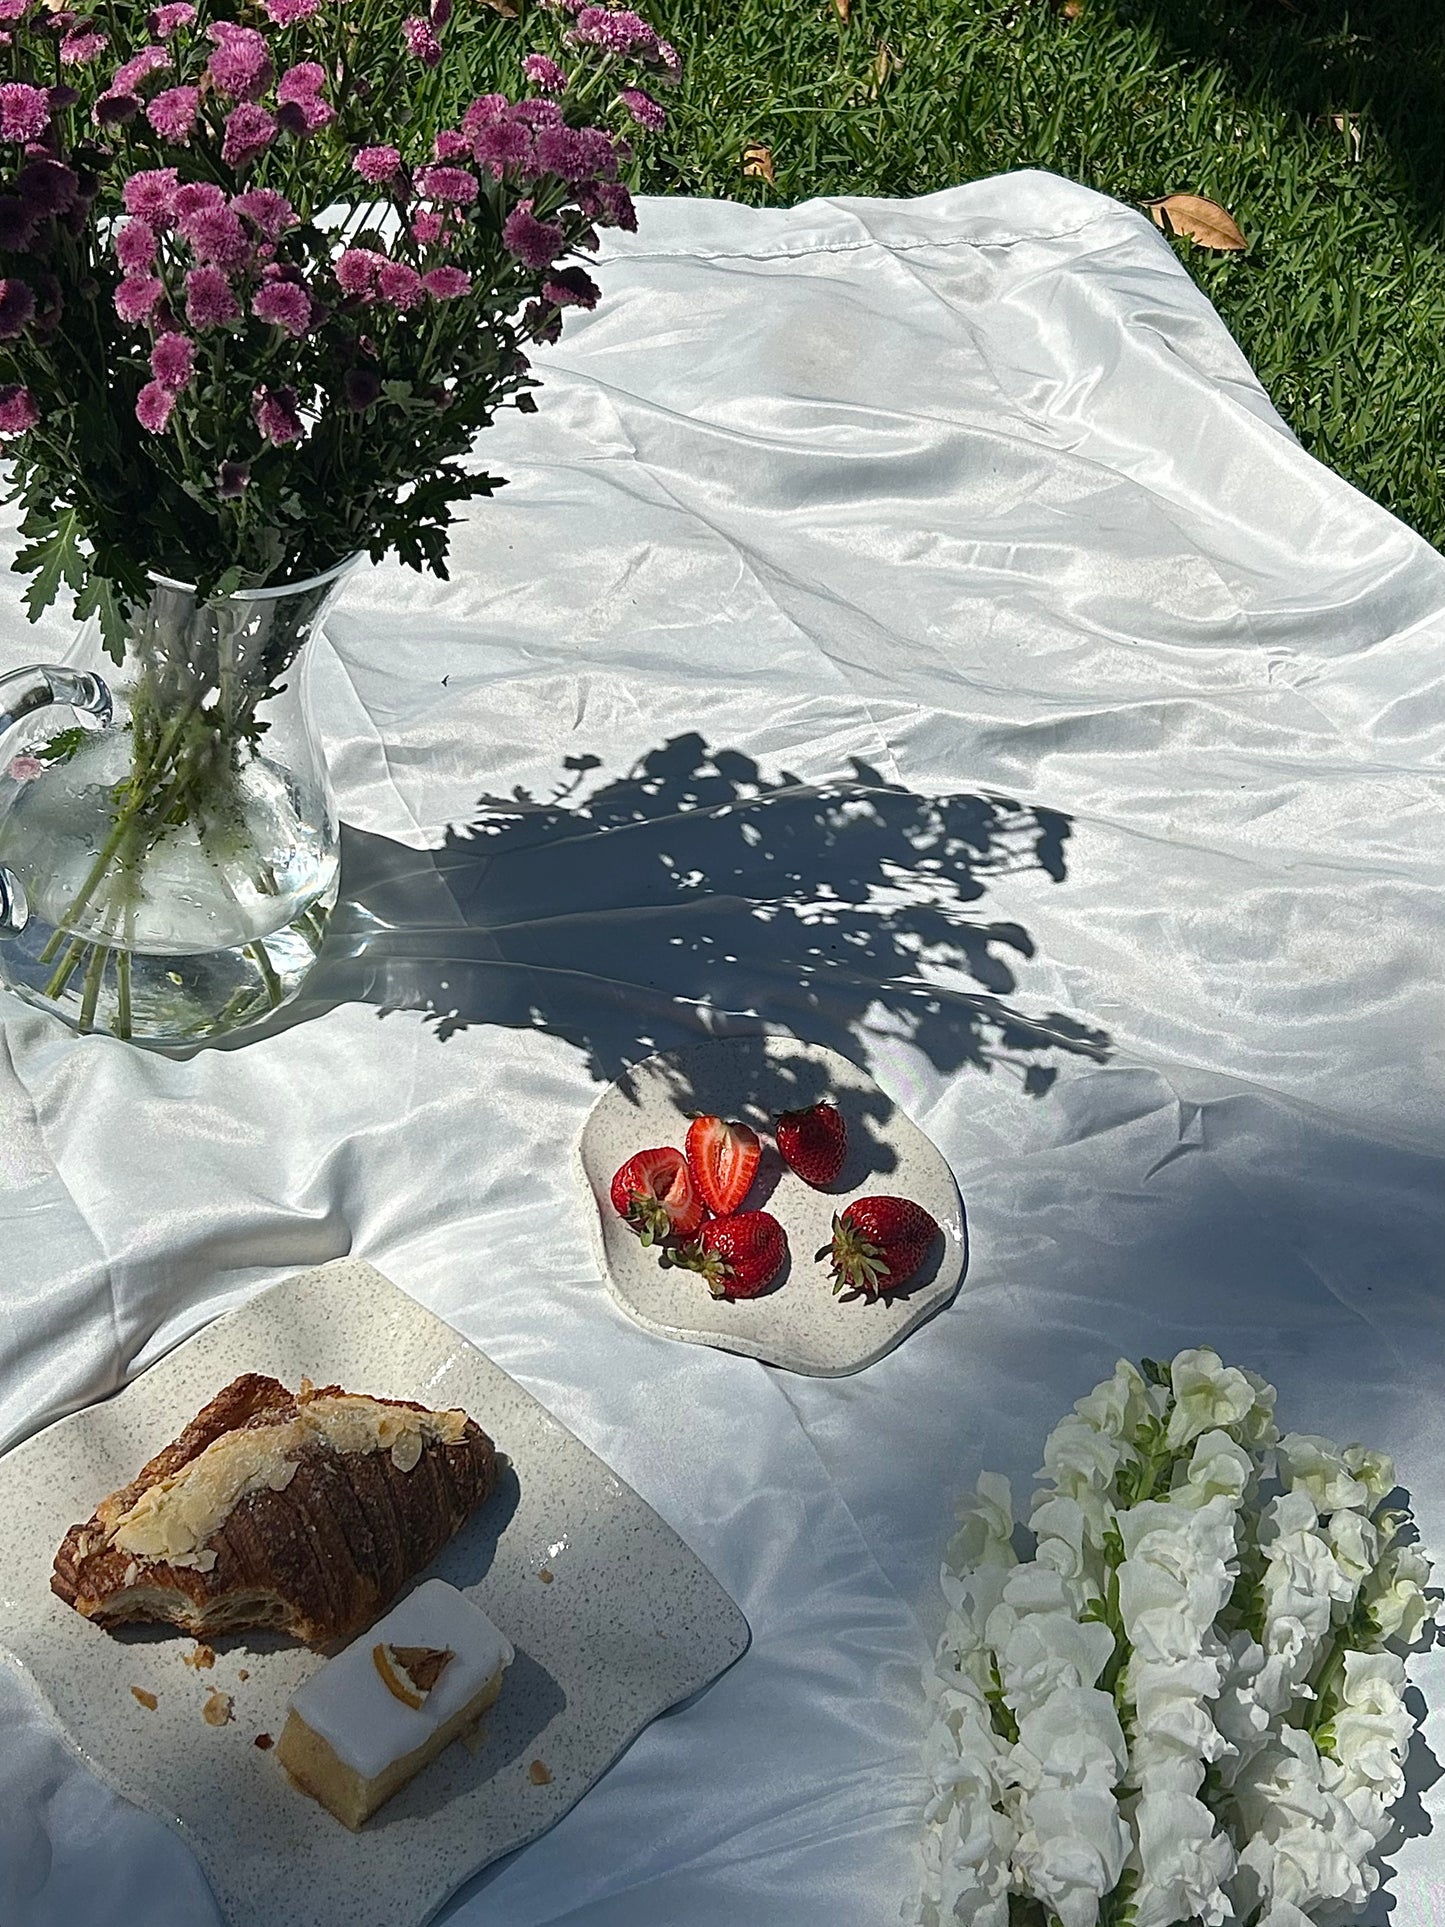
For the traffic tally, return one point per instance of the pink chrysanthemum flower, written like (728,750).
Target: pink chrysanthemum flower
(668,58)
(284,305)
(439,12)
(502,144)
(271,212)
(612,205)
(168,19)
(232,479)
(153,406)
(482,112)
(571,288)
(538,112)
(284,13)
(426,228)
(17,223)
(297,83)
(276,414)
(47,187)
(173,114)
(241,64)
(196,197)
(129,78)
(447,283)
(451,145)
(357,270)
(17,409)
(250,130)
(535,243)
(138,296)
(79,49)
(218,237)
(173,361)
(544,73)
(626,34)
(135,246)
(646,111)
(24,111)
(23,769)
(17,307)
(14,9)
(421,41)
(377,164)
(151,194)
(114,110)
(399,284)
(210,299)
(456,185)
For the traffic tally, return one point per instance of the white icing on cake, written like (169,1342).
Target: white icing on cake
(349,1706)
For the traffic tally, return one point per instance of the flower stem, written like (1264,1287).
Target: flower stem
(122,992)
(94,975)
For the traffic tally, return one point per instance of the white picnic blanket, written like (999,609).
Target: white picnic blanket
(908,622)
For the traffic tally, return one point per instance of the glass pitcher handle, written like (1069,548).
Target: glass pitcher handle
(21,694)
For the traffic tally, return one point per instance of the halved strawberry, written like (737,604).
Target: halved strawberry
(878,1244)
(814,1143)
(654,1192)
(738,1256)
(723,1160)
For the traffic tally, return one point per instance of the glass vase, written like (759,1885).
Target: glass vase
(168,840)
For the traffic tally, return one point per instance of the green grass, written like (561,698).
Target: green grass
(1339,302)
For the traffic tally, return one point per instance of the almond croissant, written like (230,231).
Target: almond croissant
(303,1511)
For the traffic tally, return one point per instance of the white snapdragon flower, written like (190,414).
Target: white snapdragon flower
(1398,1607)
(1062,1532)
(1355,1542)
(1318,1465)
(1218,1469)
(1207,1394)
(1071,1850)
(1080,1459)
(1046,1651)
(985,1526)
(1184,1862)
(1119,1405)
(1028,1588)
(1371,1728)
(1374,1470)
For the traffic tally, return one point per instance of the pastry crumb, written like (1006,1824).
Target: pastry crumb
(539,1774)
(546,1576)
(217,1709)
(264,1741)
(203,1658)
(243,1674)
(147,1700)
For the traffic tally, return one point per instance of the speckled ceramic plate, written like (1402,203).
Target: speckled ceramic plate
(629,1624)
(798,1322)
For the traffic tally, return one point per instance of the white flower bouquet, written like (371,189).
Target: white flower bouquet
(1187,1704)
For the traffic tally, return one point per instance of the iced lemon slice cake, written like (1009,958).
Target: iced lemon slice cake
(379,1712)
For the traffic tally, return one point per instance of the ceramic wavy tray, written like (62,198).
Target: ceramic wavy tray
(629,1623)
(798,1323)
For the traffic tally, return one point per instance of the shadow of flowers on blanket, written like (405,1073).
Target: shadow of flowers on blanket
(693,895)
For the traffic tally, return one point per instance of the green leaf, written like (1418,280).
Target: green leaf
(53,558)
(101,597)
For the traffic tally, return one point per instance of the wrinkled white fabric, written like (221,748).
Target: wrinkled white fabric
(837,524)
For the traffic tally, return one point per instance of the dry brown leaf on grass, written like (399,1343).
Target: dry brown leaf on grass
(758,164)
(843,8)
(884,63)
(504,8)
(1349,128)
(1204,221)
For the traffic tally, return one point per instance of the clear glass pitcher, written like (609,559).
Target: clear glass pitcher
(168,840)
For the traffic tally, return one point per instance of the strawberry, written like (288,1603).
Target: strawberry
(813,1142)
(654,1192)
(878,1244)
(738,1256)
(723,1160)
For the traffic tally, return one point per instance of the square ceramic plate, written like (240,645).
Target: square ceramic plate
(630,1623)
(796,1322)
